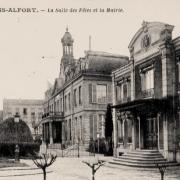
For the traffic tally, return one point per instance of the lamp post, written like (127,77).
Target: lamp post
(16,120)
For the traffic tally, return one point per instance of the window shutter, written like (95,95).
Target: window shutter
(95,126)
(109,94)
(142,82)
(90,93)
(94,93)
(129,89)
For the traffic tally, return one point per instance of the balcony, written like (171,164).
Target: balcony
(124,100)
(52,115)
(148,93)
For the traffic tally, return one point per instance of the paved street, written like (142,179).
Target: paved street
(74,169)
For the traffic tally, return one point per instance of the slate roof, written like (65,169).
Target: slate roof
(104,62)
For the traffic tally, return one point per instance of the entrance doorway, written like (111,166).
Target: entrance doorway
(150,133)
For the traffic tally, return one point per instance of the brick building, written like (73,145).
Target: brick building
(30,111)
(146,94)
(75,105)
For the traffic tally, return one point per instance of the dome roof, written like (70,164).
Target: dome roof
(67,38)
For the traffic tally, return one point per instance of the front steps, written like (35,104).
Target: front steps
(142,159)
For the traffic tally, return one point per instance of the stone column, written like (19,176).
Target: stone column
(133,133)
(43,134)
(138,118)
(63,137)
(132,79)
(168,70)
(114,116)
(158,119)
(165,130)
(50,133)
(168,89)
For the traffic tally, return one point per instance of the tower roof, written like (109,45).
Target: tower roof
(67,38)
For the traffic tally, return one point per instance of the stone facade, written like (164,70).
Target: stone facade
(76,104)
(148,116)
(30,111)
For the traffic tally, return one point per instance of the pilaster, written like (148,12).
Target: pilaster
(50,133)
(168,70)
(114,117)
(132,79)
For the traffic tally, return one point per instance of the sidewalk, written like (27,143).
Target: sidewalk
(73,169)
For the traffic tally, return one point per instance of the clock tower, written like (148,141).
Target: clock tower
(67,45)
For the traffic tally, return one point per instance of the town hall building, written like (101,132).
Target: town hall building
(75,106)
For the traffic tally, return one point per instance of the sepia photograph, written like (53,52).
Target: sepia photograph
(90,90)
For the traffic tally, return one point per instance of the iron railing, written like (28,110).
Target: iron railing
(147,93)
(52,114)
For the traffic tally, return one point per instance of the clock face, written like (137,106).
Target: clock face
(146,41)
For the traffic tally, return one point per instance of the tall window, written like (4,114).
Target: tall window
(101,125)
(75,101)
(70,129)
(93,126)
(81,128)
(101,93)
(57,106)
(80,100)
(65,103)
(148,80)
(123,91)
(179,71)
(39,116)
(75,128)
(69,100)
(61,104)
(24,111)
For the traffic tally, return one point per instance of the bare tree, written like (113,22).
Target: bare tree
(93,165)
(44,161)
(162,168)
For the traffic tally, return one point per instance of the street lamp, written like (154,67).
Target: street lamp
(98,141)
(16,120)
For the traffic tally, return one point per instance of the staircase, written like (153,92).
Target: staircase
(142,159)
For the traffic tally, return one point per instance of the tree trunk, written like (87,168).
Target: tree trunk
(162,176)
(93,173)
(44,173)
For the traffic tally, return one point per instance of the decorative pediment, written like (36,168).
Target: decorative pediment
(57,85)
(149,35)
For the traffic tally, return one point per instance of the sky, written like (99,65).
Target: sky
(27,37)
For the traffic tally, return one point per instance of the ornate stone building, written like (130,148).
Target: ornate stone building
(75,105)
(146,91)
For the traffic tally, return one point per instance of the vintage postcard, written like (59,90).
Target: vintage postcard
(89,89)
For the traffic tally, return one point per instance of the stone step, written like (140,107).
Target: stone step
(141,158)
(142,155)
(140,165)
(134,161)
